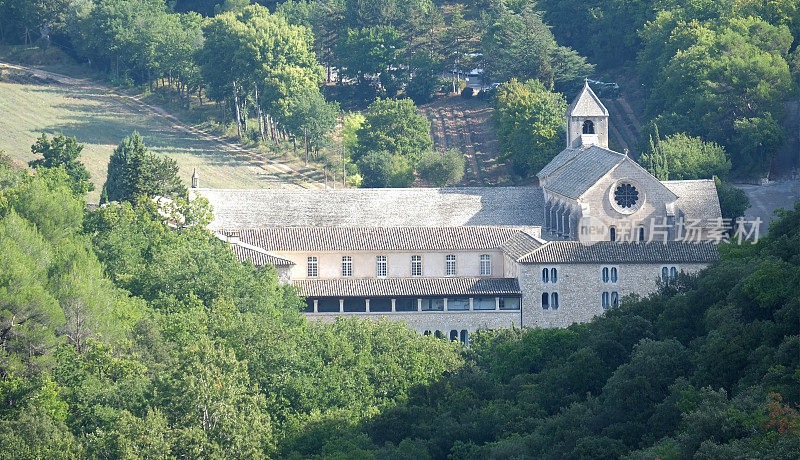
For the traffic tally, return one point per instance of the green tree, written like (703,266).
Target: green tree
(442,169)
(373,52)
(382,169)
(733,202)
(134,172)
(395,126)
(681,157)
(63,151)
(530,124)
(521,46)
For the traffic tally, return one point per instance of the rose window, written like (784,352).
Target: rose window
(626,196)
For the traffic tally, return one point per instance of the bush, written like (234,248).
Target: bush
(442,169)
(681,157)
(732,200)
(382,169)
(467,93)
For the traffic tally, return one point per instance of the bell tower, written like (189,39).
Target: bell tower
(587,120)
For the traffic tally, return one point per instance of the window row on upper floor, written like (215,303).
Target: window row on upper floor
(382,266)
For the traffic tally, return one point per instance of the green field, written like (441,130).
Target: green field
(99,119)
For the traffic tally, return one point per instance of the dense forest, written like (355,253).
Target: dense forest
(130,331)
(718,71)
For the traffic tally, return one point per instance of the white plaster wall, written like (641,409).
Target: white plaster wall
(580,287)
(399,263)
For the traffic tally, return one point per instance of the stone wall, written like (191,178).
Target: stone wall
(444,321)
(580,287)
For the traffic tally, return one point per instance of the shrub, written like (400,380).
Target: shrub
(442,169)
(467,93)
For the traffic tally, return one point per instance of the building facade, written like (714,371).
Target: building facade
(449,261)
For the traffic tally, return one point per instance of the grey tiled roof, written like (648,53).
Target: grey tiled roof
(375,238)
(587,104)
(696,198)
(584,171)
(564,157)
(392,287)
(259,257)
(556,252)
(409,207)
(520,245)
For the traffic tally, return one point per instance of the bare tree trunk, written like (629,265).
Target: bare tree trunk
(238,115)
(260,118)
(305,141)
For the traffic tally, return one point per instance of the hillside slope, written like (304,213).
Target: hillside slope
(99,118)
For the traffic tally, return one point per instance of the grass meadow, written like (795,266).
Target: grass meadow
(100,119)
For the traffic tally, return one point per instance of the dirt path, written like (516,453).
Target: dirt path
(297,178)
(464,125)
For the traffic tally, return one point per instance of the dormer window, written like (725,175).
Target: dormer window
(588,127)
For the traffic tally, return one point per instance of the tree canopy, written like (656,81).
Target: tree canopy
(530,124)
(134,173)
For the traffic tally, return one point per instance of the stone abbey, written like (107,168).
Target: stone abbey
(449,261)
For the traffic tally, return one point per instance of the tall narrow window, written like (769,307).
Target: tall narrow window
(450,265)
(454,335)
(613,274)
(486,265)
(554,275)
(673,272)
(545,275)
(606,276)
(664,274)
(641,233)
(416,265)
(347,266)
(545,301)
(380,266)
(615,299)
(554,301)
(312,267)
(612,234)
(604,301)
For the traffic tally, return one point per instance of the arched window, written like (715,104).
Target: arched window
(464,337)
(641,233)
(454,335)
(673,272)
(450,265)
(554,300)
(554,275)
(588,127)
(615,299)
(604,302)
(605,275)
(545,301)
(612,234)
(613,274)
(664,274)
(545,275)
(438,334)
(427,333)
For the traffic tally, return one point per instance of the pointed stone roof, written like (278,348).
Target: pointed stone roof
(587,104)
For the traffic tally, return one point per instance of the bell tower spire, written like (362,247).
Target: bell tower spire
(587,120)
